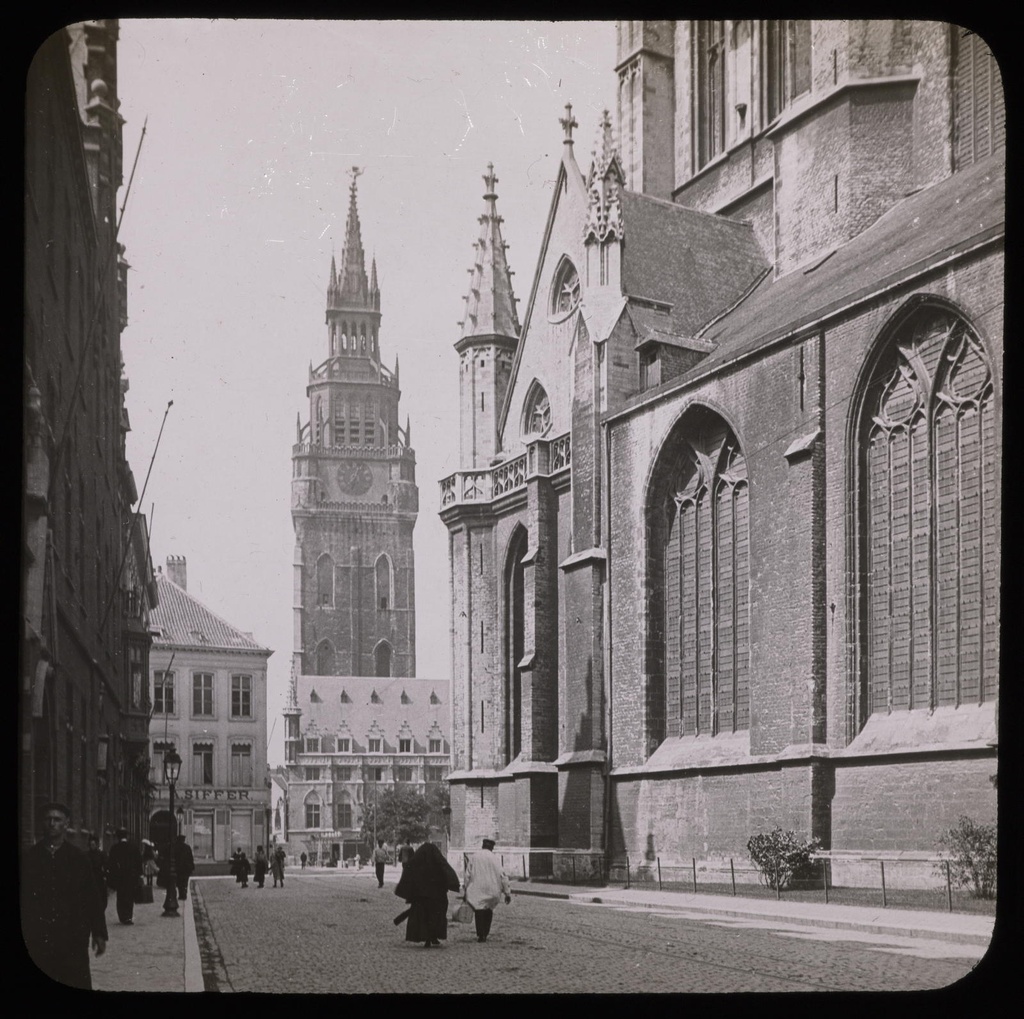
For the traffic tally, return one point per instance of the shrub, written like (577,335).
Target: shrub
(971,851)
(781,856)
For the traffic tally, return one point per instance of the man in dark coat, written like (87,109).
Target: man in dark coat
(125,864)
(425,882)
(60,909)
(184,864)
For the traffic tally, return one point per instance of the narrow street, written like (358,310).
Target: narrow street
(333,934)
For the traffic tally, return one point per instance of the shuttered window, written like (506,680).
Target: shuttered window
(932,563)
(979,106)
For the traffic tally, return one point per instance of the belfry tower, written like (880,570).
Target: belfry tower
(354,497)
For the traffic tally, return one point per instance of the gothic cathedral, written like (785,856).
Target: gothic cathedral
(354,496)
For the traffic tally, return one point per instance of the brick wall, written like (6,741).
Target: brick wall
(907,805)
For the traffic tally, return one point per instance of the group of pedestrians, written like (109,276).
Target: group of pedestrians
(427,878)
(241,867)
(64,894)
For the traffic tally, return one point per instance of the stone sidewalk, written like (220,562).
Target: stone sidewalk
(966,928)
(155,953)
(159,953)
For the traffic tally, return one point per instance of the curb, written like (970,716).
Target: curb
(831,923)
(193,960)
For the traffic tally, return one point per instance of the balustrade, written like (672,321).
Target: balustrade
(543,458)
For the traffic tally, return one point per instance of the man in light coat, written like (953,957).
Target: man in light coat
(485,884)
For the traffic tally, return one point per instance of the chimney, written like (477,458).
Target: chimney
(176,571)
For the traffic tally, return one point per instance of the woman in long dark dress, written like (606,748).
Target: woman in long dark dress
(424,884)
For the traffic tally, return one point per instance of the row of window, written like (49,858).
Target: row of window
(926,618)
(352,429)
(345,337)
(374,745)
(383,581)
(785,75)
(349,773)
(198,769)
(202,699)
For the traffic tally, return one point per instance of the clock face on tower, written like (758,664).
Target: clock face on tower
(355,478)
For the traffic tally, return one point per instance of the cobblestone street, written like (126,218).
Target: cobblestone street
(333,934)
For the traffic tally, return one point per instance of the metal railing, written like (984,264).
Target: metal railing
(893,880)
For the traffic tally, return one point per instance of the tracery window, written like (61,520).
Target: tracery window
(700,565)
(930,510)
(565,294)
(537,412)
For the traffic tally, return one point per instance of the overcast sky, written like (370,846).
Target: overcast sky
(239,201)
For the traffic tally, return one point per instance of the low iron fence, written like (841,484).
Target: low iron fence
(898,880)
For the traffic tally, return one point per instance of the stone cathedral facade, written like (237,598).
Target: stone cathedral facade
(725,544)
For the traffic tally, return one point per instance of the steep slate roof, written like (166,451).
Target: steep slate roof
(952,215)
(327,712)
(698,262)
(185,622)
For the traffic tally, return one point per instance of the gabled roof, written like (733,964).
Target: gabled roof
(180,620)
(327,713)
(925,228)
(697,262)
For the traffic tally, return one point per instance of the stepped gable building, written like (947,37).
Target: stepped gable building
(350,738)
(725,547)
(354,494)
(86,575)
(209,683)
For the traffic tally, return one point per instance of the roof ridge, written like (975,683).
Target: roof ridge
(241,634)
(715,217)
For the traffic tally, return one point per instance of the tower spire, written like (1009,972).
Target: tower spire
(490,303)
(352,286)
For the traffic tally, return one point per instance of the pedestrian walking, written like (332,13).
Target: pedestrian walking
(259,869)
(485,884)
(125,863)
(242,869)
(277,866)
(302,860)
(150,867)
(60,910)
(98,862)
(405,854)
(424,884)
(380,858)
(184,865)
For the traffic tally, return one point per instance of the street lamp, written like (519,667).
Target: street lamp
(172,768)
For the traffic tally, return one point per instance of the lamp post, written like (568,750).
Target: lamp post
(172,768)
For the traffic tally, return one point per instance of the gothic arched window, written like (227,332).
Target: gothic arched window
(382,575)
(325,580)
(382,659)
(565,291)
(929,512)
(536,412)
(699,568)
(515,643)
(325,659)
